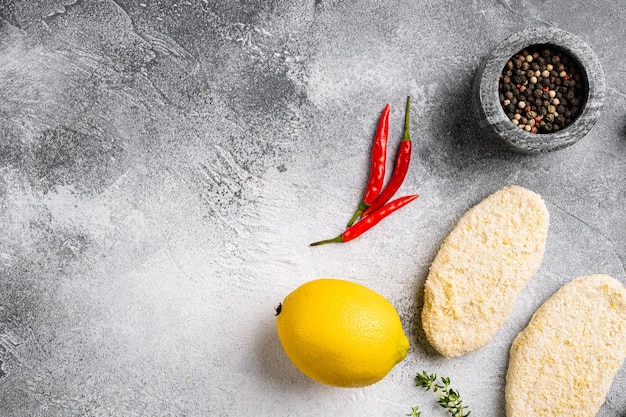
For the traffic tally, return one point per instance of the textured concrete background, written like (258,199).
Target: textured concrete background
(164,165)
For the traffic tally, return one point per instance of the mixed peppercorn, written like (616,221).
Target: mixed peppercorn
(542,89)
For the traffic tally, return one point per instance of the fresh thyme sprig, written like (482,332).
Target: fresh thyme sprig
(448,398)
(415,412)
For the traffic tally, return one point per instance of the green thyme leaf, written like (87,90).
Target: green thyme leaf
(449,398)
(415,412)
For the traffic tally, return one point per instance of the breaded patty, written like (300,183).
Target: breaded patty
(563,363)
(482,266)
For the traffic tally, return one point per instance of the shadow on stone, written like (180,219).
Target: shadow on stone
(417,330)
(275,364)
(462,141)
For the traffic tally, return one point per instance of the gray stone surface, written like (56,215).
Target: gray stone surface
(165,164)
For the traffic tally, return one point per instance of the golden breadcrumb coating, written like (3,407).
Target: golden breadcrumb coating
(482,266)
(564,361)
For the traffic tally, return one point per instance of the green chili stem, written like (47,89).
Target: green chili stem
(362,206)
(337,239)
(407,119)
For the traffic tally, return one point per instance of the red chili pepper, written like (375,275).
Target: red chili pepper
(370,221)
(377,170)
(403,159)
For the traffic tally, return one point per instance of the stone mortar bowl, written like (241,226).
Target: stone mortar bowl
(488,109)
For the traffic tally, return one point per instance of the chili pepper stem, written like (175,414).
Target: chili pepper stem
(337,239)
(362,206)
(407,119)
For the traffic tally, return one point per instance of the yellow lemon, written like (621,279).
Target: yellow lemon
(341,333)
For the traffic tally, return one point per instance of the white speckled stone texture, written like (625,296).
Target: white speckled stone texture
(165,164)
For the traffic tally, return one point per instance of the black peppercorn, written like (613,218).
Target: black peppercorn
(538,91)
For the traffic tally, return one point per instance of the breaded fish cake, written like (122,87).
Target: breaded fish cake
(483,264)
(564,361)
